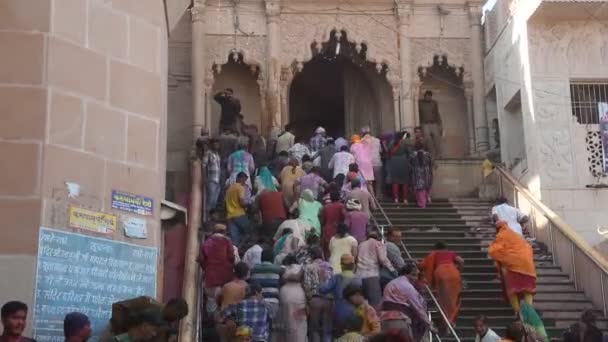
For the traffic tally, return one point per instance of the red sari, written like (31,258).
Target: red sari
(443,276)
(333,214)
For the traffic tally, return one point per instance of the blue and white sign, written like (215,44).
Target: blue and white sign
(132,203)
(87,274)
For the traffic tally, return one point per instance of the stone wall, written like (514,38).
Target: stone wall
(538,55)
(83,100)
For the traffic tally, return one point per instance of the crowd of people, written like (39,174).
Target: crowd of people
(296,255)
(133,320)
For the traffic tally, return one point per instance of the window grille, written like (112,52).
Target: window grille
(584,99)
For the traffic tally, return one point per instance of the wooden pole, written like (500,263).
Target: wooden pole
(190,287)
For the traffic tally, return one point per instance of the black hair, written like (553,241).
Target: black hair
(391,230)
(267,255)
(330,142)
(286,231)
(334,196)
(353,323)
(408,268)
(241,270)
(253,289)
(428,92)
(483,319)
(355,183)
(351,290)
(501,200)
(315,169)
(342,230)
(312,239)
(13,307)
(287,127)
(440,245)
(589,317)
(515,331)
(175,306)
(284,154)
(344,148)
(306,158)
(242,175)
(316,252)
(353,167)
(290,259)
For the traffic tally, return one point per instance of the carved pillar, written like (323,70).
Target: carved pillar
(273,97)
(198,67)
(397,105)
(416,84)
(468,94)
(477,73)
(209,81)
(408,115)
(285,82)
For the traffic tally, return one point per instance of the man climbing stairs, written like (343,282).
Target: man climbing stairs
(464,225)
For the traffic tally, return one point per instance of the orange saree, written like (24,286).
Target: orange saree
(514,259)
(442,275)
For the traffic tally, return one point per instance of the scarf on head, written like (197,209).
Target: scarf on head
(267,179)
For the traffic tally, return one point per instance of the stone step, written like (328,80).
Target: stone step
(466,332)
(540,270)
(421,214)
(399,221)
(554,284)
(457,247)
(545,295)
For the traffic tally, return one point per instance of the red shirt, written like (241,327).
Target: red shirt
(271,206)
(217,260)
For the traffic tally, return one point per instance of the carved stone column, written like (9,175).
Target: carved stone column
(416,84)
(468,94)
(408,115)
(273,97)
(477,73)
(199,72)
(397,105)
(285,81)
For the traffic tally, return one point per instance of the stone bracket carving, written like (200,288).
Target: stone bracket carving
(378,33)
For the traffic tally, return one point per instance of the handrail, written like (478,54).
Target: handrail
(559,223)
(571,246)
(428,289)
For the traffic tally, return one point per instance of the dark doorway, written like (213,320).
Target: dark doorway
(317,98)
(340,90)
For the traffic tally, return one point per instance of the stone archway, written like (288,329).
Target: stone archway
(446,81)
(338,88)
(246,79)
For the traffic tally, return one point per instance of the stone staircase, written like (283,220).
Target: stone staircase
(464,225)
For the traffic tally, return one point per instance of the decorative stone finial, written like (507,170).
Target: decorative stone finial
(197,11)
(273,9)
(404,10)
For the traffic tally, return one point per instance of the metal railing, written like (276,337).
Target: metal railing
(409,256)
(568,249)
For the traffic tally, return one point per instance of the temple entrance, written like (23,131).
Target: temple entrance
(340,91)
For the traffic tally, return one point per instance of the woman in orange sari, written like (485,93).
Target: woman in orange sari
(442,272)
(514,259)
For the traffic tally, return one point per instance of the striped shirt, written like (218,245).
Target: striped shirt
(268,276)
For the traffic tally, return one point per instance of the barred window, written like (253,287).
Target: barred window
(585,97)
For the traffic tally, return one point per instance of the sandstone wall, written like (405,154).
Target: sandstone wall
(83,100)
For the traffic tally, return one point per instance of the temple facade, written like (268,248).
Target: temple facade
(341,64)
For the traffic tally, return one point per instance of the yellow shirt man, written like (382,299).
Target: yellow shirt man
(234,195)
